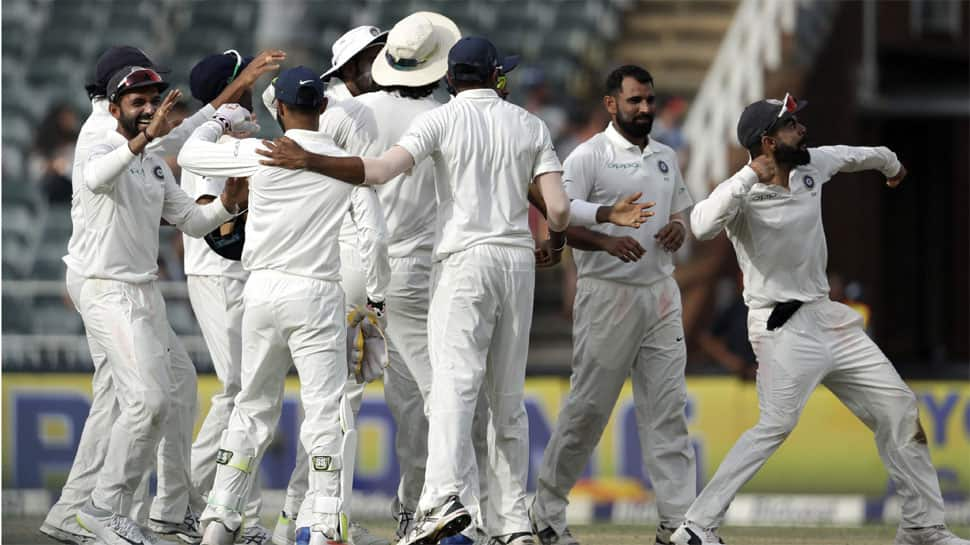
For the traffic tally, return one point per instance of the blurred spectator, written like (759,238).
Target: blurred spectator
(539,101)
(850,294)
(668,125)
(52,156)
(583,121)
(727,341)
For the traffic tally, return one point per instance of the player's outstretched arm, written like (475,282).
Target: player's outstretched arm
(626,212)
(711,214)
(833,159)
(285,153)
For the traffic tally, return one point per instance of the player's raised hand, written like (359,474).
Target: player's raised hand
(629,213)
(266,61)
(898,178)
(284,153)
(764,167)
(160,125)
(625,248)
(671,236)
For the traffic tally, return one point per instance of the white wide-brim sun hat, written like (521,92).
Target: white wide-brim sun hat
(416,52)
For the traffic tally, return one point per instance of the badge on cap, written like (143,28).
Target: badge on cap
(808,181)
(663,166)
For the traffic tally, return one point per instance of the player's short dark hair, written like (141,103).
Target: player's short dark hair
(614,81)
(413,92)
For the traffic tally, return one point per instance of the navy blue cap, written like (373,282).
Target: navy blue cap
(473,58)
(114,59)
(299,86)
(760,117)
(211,75)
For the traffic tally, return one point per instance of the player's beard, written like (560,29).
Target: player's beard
(129,124)
(637,126)
(792,155)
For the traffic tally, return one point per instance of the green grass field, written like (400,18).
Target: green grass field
(23,531)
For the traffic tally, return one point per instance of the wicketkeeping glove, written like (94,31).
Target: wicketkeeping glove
(366,345)
(235,119)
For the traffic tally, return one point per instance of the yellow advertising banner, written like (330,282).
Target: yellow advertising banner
(830,451)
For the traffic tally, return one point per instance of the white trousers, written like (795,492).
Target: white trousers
(154,384)
(217,302)
(824,343)
(620,331)
(478,335)
(288,320)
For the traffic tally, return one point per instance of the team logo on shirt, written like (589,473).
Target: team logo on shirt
(157,171)
(663,166)
(809,182)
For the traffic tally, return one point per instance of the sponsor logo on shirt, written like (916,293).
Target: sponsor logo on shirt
(634,164)
(765,197)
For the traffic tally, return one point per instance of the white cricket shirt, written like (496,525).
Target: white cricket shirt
(369,124)
(200,259)
(777,232)
(608,167)
(127,196)
(486,152)
(294,215)
(93,131)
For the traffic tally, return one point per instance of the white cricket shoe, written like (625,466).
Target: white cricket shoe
(444,521)
(253,535)
(71,534)
(692,534)
(663,535)
(362,536)
(216,533)
(405,520)
(111,528)
(186,531)
(284,533)
(520,538)
(546,535)
(933,535)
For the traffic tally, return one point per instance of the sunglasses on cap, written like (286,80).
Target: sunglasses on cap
(135,78)
(239,61)
(788,106)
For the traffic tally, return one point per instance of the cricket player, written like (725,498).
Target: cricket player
(294,314)
(215,285)
(772,212)
(130,192)
(364,269)
(486,152)
(627,317)
(169,507)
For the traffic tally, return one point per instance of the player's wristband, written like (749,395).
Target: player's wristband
(379,306)
(680,221)
(557,236)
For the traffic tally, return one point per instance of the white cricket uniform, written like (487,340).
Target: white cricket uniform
(486,152)
(126,198)
(215,286)
(627,323)
(780,243)
(294,313)
(367,125)
(92,447)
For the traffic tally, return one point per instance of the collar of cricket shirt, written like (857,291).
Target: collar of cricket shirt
(477,93)
(620,141)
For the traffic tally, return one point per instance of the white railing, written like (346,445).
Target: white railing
(751,46)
